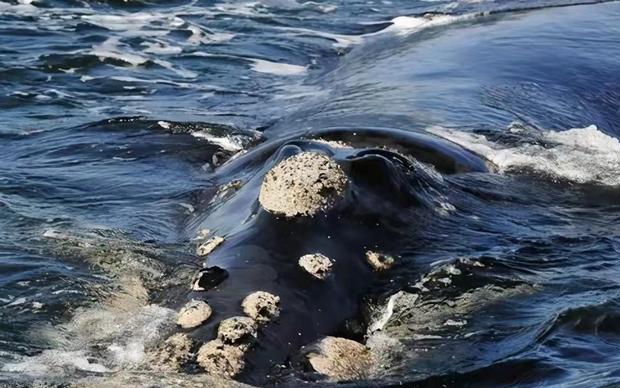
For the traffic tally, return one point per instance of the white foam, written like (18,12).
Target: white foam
(385,316)
(132,21)
(180,71)
(340,41)
(188,207)
(422,337)
(199,36)
(110,335)
(19,9)
(113,49)
(404,25)
(51,233)
(127,354)
(226,142)
(247,9)
(580,155)
(50,361)
(164,124)
(161,48)
(263,66)
(162,81)
(17,302)
(400,25)
(454,323)
(388,311)
(128,329)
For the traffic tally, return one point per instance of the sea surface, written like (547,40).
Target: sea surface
(121,121)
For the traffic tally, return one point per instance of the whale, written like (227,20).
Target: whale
(394,176)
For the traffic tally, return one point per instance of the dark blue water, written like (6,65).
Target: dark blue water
(119,121)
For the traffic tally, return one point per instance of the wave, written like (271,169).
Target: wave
(404,25)
(410,24)
(264,66)
(579,155)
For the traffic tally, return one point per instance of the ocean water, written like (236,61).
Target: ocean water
(482,147)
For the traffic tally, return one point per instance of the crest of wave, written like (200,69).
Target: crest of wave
(579,155)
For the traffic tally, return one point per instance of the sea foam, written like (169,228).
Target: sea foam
(579,155)
(275,68)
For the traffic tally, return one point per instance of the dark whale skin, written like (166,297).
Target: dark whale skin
(261,250)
